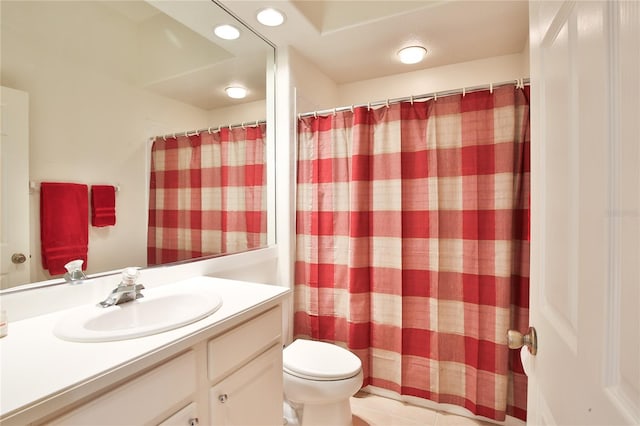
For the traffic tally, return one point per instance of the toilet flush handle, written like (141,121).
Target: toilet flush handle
(223,398)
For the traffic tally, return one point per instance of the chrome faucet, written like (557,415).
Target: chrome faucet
(126,291)
(74,274)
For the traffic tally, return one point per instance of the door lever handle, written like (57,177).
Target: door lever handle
(516,340)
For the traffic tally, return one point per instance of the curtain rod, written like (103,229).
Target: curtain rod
(209,129)
(520,83)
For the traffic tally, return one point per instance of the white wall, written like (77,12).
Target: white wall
(315,91)
(244,113)
(467,74)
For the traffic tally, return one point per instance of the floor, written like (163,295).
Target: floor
(373,410)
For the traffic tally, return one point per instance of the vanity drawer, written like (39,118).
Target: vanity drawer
(142,400)
(238,346)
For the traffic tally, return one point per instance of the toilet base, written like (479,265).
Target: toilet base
(334,414)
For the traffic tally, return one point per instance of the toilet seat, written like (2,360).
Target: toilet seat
(313,360)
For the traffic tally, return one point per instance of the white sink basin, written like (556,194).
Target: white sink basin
(161,309)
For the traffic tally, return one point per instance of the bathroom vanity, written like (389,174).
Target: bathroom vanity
(224,369)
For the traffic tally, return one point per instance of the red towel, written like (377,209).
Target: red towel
(64,224)
(103,205)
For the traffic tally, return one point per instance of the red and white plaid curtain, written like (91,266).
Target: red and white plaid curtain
(207,194)
(412,247)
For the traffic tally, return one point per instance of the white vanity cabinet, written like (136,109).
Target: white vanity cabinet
(230,378)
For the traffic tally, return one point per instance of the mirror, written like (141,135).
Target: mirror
(103,78)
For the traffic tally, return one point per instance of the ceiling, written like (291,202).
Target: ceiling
(358,40)
(183,60)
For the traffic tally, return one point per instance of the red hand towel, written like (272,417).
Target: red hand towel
(64,224)
(103,205)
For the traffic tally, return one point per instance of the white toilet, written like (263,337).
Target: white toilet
(319,379)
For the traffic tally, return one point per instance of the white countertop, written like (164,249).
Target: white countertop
(37,367)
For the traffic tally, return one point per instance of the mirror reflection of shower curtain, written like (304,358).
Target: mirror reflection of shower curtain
(207,194)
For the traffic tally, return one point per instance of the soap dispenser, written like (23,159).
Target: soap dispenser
(74,273)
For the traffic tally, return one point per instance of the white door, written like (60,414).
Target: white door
(14,188)
(585,256)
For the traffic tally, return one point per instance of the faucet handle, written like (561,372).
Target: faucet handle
(74,271)
(130,275)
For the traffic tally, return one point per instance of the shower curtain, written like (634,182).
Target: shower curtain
(412,244)
(207,194)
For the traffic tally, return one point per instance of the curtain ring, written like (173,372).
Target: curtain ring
(464,92)
(368,106)
(411,99)
(435,96)
(315,114)
(335,112)
(209,130)
(387,103)
(242,125)
(490,87)
(174,136)
(230,128)
(257,123)
(164,138)
(352,107)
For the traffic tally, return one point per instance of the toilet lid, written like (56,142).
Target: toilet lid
(310,359)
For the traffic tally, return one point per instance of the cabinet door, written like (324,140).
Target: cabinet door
(252,395)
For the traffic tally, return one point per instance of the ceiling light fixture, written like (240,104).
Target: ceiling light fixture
(412,54)
(236,92)
(270,17)
(227,32)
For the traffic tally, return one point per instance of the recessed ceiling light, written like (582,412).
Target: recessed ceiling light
(412,54)
(270,17)
(227,32)
(236,92)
